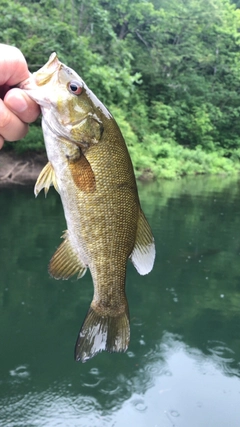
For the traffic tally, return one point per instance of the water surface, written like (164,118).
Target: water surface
(183,364)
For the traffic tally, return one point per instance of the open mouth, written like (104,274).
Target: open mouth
(35,92)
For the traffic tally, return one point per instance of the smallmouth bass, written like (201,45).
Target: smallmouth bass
(90,167)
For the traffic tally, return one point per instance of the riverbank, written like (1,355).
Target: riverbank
(20,170)
(23,169)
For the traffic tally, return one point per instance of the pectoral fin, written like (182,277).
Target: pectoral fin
(82,174)
(143,253)
(65,262)
(45,179)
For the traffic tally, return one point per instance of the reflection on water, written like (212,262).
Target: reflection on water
(182,387)
(183,365)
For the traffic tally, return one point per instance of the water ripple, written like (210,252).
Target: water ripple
(220,351)
(95,378)
(130,354)
(85,405)
(154,369)
(20,373)
(139,405)
(224,357)
(110,392)
(92,385)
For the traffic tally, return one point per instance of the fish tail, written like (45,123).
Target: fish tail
(99,333)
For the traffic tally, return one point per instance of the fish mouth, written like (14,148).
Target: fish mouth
(28,84)
(30,87)
(43,75)
(39,79)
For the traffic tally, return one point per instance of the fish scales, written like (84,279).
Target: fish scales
(90,167)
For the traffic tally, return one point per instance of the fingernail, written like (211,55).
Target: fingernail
(16,102)
(20,104)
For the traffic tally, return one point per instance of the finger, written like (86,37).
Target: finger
(24,107)
(11,127)
(14,65)
(1,142)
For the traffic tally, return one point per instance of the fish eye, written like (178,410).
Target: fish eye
(75,88)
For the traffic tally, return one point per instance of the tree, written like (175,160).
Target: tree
(168,69)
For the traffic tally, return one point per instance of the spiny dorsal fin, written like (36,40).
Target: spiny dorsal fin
(45,179)
(143,254)
(65,262)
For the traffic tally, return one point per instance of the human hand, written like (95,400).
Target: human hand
(16,108)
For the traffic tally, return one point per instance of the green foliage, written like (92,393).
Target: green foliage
(156,159)
(125,127)
(169,70)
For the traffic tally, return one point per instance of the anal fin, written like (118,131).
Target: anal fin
(143,254)
(65,262)
(45,179)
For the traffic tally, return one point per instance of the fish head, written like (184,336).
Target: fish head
(40,85)
(68,106)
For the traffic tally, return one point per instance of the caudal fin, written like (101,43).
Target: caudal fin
(100,333)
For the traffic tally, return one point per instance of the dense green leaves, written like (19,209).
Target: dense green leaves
(170,70)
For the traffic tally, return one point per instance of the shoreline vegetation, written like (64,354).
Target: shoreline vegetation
(24,168)
(167,70)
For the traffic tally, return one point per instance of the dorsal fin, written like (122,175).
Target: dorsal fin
(143,254)
(65,262)
(45,179)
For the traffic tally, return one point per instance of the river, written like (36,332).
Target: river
(182,368)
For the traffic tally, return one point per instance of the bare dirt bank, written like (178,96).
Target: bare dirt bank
(20,170)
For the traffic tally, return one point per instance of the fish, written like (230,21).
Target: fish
(90,167)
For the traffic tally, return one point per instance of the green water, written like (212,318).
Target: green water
(182,368)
